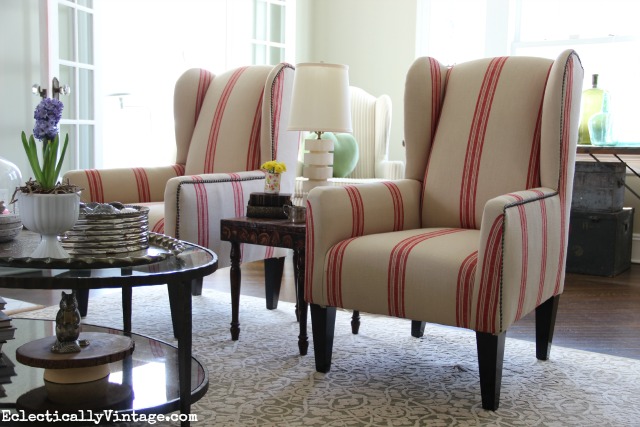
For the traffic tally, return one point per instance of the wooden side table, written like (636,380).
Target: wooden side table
(266,232)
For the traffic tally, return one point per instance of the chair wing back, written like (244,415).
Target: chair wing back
(235,121)
(463,122)
(371,119)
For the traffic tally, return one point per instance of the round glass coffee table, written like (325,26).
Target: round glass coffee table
(180,265)
(149,375)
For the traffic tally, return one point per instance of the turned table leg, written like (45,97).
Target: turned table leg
(235,277)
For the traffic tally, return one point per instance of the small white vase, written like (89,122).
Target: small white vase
(49,215)
(272,183)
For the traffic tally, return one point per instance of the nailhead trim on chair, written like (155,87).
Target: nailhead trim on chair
(205,181)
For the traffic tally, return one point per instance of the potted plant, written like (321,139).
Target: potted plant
(46,205)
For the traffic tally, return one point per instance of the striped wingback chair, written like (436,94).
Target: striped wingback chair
(476,234)
(226,126)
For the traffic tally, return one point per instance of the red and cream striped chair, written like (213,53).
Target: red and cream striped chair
(226,126)
(476,235)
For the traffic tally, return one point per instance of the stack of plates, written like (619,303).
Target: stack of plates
(120,229)
(10,226)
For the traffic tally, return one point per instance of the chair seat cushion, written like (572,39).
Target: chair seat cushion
(425,274)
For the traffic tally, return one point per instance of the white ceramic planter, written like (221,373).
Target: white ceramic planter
(49,215)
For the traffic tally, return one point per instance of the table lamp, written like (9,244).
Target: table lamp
(320,103)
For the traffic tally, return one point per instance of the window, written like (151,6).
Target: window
(605,35)
(273,22)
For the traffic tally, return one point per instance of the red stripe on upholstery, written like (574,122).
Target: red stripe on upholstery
(268,253)
(464,290)
(489,292)
(562,184)
(253,153)
(203,86)
(158,227)
(96,191)
(309,254)
(335,256)
(477,132)
(142,182)
(217,120)
(357,210)
(434,125)
(436,85)
(525,254)
(276,99)
(238,194)
(179,169)
(545,242)
(202,211)
(398,206)
(398,265)
(533,173)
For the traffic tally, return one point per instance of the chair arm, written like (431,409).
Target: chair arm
(335,214)
(126,185)
(390,169)
(523,245)
(195,204)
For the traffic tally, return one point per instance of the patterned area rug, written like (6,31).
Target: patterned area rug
(381,377)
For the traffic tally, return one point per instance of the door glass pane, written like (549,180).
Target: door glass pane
(85,43)
(260,21)
(276,55)
(71,153)
(87,147)
(87,3)
(67,77)
(65,32)
(277,24)
(85,94)
(259,54)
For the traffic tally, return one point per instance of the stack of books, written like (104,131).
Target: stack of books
(7,332)
(267,205)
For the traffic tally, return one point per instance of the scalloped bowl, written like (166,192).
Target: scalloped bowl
(10,220)
(8,234)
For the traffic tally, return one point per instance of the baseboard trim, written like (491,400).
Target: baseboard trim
(635,248)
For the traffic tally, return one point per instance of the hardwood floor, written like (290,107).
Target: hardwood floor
(598,314)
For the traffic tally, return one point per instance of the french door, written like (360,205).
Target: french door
(67,46)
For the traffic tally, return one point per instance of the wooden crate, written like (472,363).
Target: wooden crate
(598,187)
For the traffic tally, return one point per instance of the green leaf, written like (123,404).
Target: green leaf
(64,151)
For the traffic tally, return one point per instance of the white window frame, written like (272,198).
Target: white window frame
(288,47)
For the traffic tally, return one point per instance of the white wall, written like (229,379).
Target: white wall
(19,70)
(375,38)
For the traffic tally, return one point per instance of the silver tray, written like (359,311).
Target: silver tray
(161,247)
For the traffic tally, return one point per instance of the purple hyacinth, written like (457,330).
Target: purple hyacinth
(47,114)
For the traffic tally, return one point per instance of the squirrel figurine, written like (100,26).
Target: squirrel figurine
(67,325)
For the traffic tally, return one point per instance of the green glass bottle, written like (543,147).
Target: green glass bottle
(594,100)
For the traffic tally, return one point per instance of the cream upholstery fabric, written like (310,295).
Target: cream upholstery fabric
(226,126)
(476,235)
(371,121)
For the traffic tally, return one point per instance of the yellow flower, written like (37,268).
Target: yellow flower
(274,166)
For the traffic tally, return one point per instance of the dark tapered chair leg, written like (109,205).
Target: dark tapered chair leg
(82,296)
(417,328)
(196,288)
(323,322)
(490,357)
(273,268)
(545,324)
(355,322)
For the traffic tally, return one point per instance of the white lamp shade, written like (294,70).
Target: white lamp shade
(320,100)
